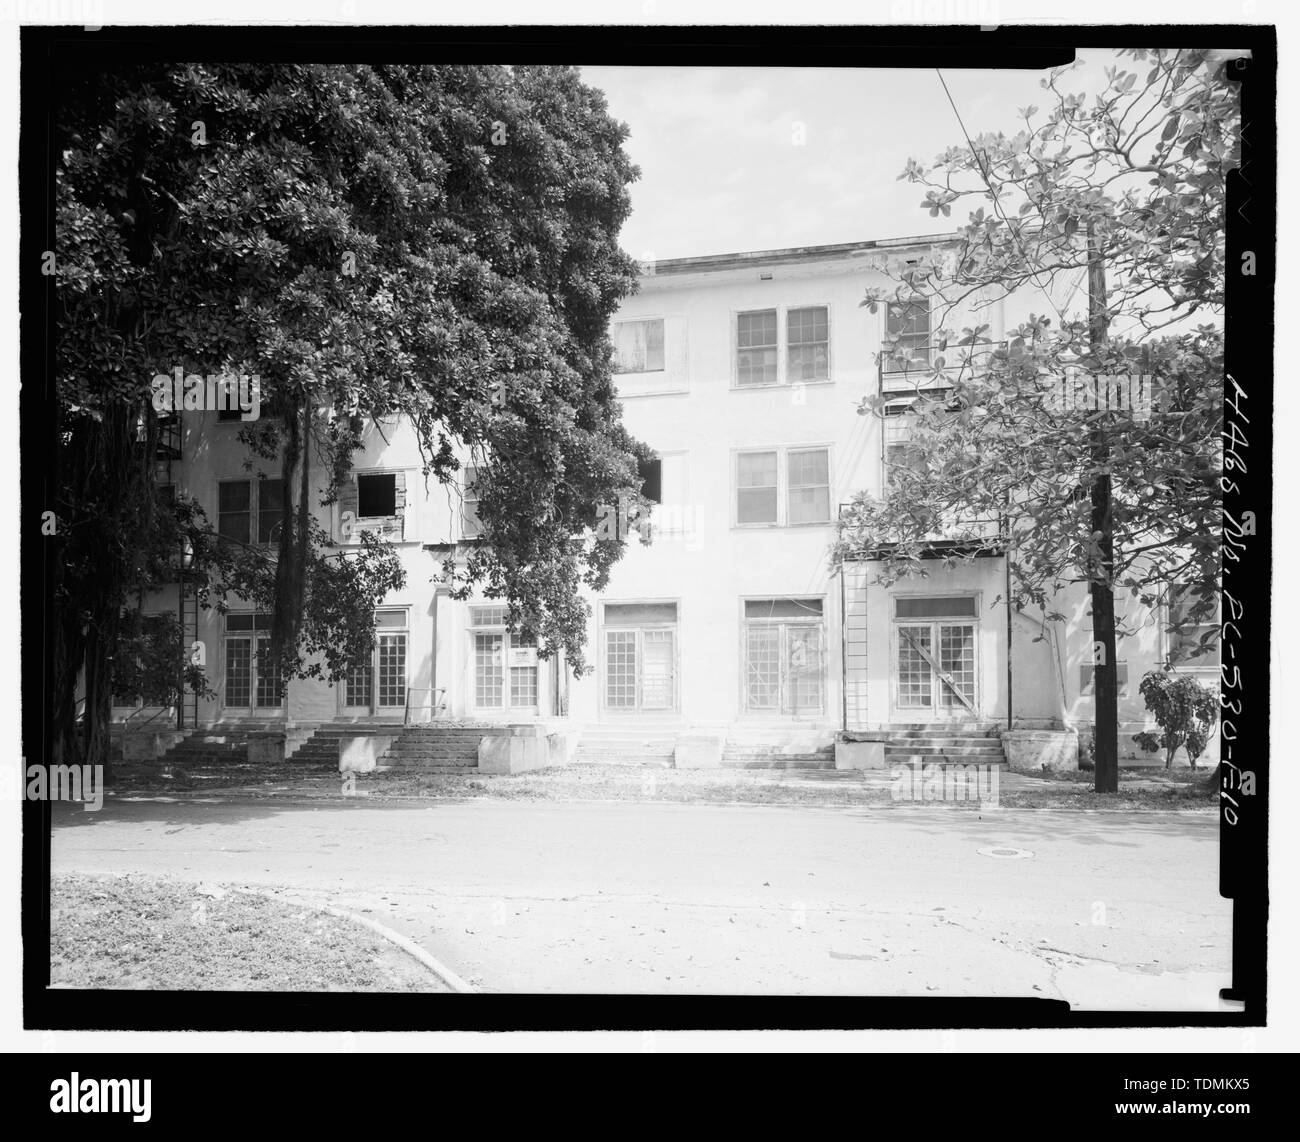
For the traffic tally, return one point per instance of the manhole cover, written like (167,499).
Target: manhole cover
(1004,853)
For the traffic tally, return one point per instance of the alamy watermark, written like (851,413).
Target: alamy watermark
(216,392)
(945,781)
(83,783)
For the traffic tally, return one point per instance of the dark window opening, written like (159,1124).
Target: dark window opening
(376,496)
(651,474)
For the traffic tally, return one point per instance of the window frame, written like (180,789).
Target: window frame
(929,347)
(509,643)
(377,474)
(781,624)
(638,628)
(253,511)
(783,453)
(663,346)
(468,530)
(1208,663)
(783,379)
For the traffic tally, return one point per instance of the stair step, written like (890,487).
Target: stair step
(935,759)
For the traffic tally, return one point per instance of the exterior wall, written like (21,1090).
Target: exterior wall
(212,452)
(696,418)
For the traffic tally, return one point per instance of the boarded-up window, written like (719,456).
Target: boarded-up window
(376,502)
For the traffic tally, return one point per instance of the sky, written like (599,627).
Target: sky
(763,158)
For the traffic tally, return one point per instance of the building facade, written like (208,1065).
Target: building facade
(744,374)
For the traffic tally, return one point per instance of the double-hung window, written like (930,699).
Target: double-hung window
(907,326)
(471,526)
(250,508)
(1194,628)
(782,346)
(782,487)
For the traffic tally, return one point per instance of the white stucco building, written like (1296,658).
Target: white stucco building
(743,372)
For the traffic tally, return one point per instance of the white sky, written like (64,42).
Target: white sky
(721,172)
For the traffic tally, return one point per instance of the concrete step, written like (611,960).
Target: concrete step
(814,762)
(459,764)
(953,750)
(944,759)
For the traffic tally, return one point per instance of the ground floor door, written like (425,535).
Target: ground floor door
(250,685)
(639,658)
(935,670)
(505,666)
(784,667)
(378,686)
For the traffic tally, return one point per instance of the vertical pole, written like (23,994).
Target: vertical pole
(180,625)
(1006,559)
(1100,586)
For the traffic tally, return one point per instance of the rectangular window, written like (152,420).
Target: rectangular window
(1086,679)
(377,495)
(489,670)
(471,526)
(808,488)
(937,607)
(651,474)
(907,324)
(756,348)
(234,510)
(639,346)
(756,487)
(807,344)
(790,487)
(270,510)
(784,656)
(639,614)
(1196,641)
(241,514)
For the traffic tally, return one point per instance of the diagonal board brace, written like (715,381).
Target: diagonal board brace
(944,676)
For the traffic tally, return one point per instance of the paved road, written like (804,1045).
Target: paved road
(1108,911)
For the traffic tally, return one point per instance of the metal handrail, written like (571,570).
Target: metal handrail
(434,707)
(158,713)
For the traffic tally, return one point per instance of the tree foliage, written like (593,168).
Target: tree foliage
(1132,180)
(439,242)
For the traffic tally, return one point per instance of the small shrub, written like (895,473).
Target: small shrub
(1184,710)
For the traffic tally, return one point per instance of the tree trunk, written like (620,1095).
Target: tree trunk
(1105,674)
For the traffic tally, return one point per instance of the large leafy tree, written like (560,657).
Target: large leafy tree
(439,242)
(1093,431)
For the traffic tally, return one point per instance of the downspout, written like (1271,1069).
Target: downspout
(844,656)
(1010,674)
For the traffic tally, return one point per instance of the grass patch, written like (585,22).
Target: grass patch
(135,932)
(1140,789)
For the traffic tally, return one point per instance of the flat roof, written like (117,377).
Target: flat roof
(742,258)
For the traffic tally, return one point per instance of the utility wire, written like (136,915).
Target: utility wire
(997,206)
